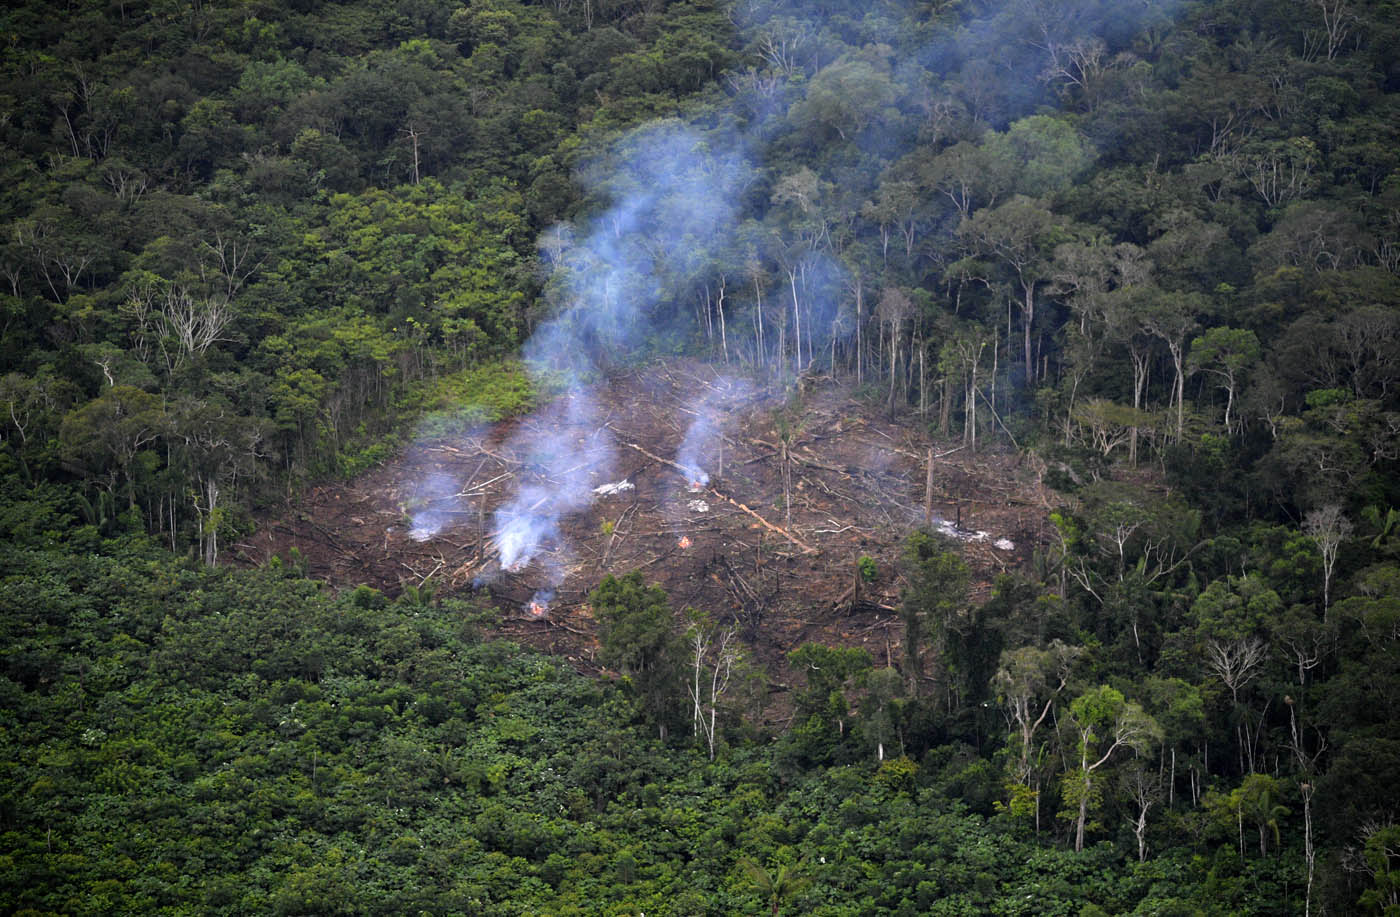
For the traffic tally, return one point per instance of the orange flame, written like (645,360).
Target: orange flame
(683,543)
(537,609)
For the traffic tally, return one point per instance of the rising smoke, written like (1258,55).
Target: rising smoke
(699,449)
(564,452)
(434,505)
(670,200)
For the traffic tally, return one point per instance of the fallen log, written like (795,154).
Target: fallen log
(616,533)
(473,566)
(686,472)
(806,548)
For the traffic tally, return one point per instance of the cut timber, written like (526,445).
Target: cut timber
(806,548)
(685,472)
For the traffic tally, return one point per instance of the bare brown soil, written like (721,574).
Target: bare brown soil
(857,484)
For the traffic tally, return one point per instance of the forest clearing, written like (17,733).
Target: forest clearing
(858,482)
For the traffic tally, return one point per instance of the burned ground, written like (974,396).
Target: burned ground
(857,483)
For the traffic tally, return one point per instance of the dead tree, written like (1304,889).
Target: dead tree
(714,654)
(1236,662)
(1145,790)
(1327,526)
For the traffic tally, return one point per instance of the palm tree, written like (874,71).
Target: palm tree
(1260,792)
(778,886)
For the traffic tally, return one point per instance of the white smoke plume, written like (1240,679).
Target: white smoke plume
(699,450)
(435,505)
(564,452)
(671,200)
(667,198)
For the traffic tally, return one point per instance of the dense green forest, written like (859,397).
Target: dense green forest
(1151,247)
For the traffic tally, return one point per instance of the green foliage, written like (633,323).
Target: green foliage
(1382,855)
(777,886)
(637,630)
(353,748)
(937,592)
(1236,608)
(828,672)
(470,398)
(1043,153)
(867,568)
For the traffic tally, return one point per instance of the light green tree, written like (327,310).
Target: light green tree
(1224,353)
(1103,721)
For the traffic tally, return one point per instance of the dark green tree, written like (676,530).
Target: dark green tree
(639,638)
(933,605)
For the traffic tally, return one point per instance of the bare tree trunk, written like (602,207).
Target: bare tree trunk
(759,344)
(1140,368)
(797,322)
(996,345)
(208,520)
(923,379)
(860,346)
(1305,788)
(1029,320)
(811,355)
(1176,350)
(945,407)
(928,491)
(894,372)
(723,337)
(699,646)
(781,357)
(709,317)
(1083,816)
(879,350)
(972,410)
(1309,853)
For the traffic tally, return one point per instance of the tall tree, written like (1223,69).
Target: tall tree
(714,654)
(1019,238)
(1170,318)
(1224,353)
(638,635)
(1025,676)
(1103,721)
(934,602)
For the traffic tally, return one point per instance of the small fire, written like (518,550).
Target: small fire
(698,480)
(538,606)
(683,543)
